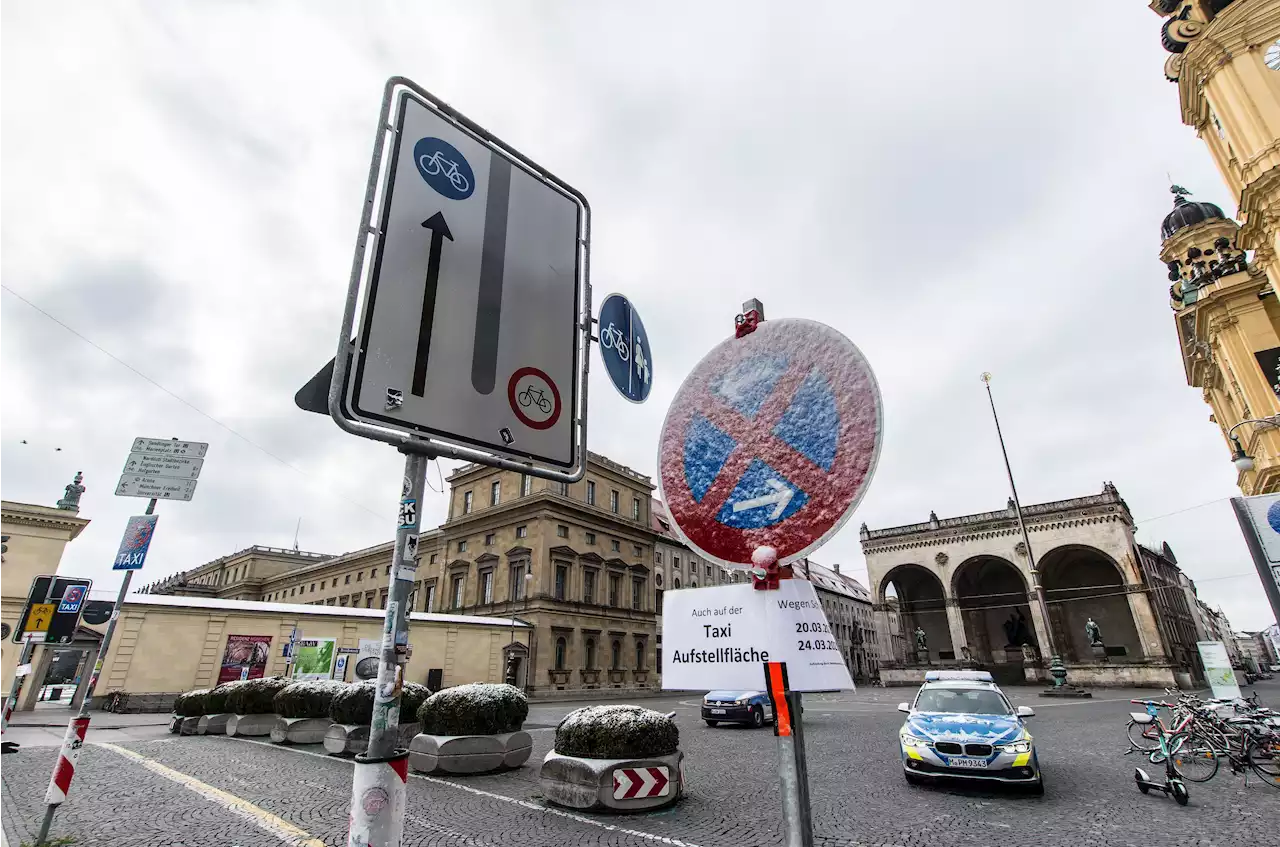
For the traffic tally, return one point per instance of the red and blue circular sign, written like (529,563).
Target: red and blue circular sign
(771,441)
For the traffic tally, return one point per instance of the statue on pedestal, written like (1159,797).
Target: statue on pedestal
(1016,630)
(1093,631)
(922,644)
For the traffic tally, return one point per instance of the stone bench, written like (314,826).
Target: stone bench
(348,739)
(299,730)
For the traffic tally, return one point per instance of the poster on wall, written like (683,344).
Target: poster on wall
(1217,669)
(367,658)
(245,657)
(313,658)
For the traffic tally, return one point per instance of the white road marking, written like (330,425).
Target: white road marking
(636,833)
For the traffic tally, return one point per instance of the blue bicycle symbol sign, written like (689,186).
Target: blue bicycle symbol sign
(444,168)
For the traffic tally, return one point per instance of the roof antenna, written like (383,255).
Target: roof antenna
(296,530)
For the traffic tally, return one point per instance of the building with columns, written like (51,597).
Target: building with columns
(1226,64)
(966,585)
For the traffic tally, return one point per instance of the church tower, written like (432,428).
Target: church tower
(1226,63)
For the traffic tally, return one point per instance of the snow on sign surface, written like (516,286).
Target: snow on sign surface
(771,441)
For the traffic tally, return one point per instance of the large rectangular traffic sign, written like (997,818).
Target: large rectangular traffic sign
(473,329)
(169,447)
(155,487)
(52,611)
(155,464)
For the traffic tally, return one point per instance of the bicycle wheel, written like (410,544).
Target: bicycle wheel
(1194,759)
(1264,757)
(1142,736)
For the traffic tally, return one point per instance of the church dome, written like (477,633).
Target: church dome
(1186,213)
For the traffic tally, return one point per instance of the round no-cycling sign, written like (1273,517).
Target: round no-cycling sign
(534,398)
(771,441)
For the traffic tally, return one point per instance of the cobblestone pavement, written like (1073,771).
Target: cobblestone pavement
(859,795)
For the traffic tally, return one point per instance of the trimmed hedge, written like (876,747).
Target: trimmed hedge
(309,698)
(256,696)
(191,704)
(355,704)
(476,709)
(215,702)
(616,732)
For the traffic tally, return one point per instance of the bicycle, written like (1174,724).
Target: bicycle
(1173,783)
(536,397)
(436,163)
(613,337)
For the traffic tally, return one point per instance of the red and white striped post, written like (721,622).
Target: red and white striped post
(60,782)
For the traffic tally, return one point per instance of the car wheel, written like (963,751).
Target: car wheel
(757,717)
(912,779)
(712,723)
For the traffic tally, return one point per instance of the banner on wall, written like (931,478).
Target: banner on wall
(367,658)
(313,658)
(245,651)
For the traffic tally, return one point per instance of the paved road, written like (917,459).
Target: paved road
(220,792)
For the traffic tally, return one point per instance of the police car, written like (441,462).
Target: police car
(961,725)
(749,707)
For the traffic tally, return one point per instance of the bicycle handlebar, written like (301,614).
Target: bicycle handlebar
(1152,703)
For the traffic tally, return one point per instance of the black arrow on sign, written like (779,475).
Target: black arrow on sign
(439,232)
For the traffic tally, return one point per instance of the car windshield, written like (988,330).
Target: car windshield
(967,701)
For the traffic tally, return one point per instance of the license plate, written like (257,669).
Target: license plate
(717,711)
(968,763)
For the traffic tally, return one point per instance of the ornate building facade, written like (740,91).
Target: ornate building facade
(1226,64)
(964,595)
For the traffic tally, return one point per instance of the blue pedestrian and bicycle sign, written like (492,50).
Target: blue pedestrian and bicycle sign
(624,347)
(771,441)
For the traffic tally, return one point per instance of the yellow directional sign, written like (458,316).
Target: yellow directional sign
(40,617)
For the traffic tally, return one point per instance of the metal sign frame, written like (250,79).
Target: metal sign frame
(409,438)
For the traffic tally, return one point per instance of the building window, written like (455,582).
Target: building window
(522,532)
(677,583)
(613,502)
(433,558)
(708,570)
(616,658)
(589,587)
(675,562)
(615,545)
(488,540)
(657,556)
(615,586)
(431,598)
(658,606)
(466,502)
(517,582)
(591,493)
(457,592)
(292,591)
(657,578)
(561,649)
(637,593)
(462,546)
(313,588)
(591,653)
(636,551)
(562,531)
(639,655)
(342,601)
(495,493)
(562,581)
(486,587)
(591,538)
(526,485)
(388,570)
(693,584)
(635,509)
(373,573)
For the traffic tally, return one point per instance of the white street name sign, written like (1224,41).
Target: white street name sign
(156,487)
(155,464)
(166,447)
(719,638)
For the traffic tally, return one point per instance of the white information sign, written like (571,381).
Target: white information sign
(156,487)
(166,447)
(719,638)
(1264,514)
(160,464)
(469,332)
(1218,670)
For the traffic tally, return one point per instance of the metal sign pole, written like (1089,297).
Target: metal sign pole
(64,770)
(793,772)
(15,690)
(1251,540)
(378,792)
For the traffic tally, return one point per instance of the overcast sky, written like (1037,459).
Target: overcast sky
(182,184)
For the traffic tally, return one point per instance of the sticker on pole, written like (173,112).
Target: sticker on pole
(534,398)
(771,441)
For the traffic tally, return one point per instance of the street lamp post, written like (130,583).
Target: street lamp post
(1056,667)
(528,586)
(1242,460)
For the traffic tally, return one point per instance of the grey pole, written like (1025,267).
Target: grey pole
(1269,585)
(1055,661)
(378,783)
(82,719)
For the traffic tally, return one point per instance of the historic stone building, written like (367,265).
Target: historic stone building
(1226,64)
(965,586)
(573,560)
(848,608)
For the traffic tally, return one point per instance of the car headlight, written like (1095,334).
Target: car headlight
(913,741)
(1023,746)
(742,701)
